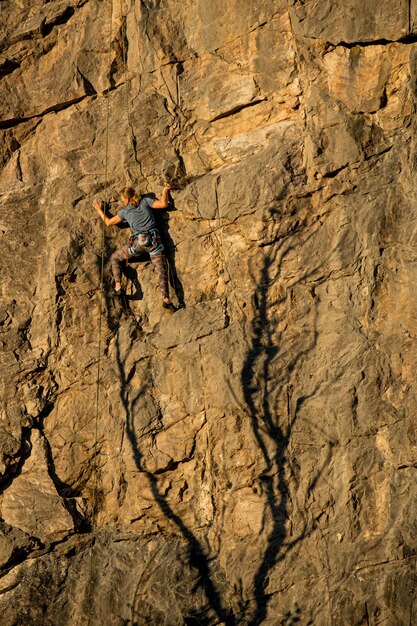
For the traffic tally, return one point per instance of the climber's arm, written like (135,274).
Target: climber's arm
(109,221)
(164,201)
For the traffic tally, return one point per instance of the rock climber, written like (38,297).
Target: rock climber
(137,213)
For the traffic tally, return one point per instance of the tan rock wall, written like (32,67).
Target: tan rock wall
(251,458)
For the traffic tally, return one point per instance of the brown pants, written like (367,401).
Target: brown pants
(122,255)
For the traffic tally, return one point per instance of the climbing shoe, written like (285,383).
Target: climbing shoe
(169,306)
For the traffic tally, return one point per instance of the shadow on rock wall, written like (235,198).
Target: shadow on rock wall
(198,559)
(267,378)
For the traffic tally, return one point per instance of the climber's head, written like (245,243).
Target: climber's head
(129,196)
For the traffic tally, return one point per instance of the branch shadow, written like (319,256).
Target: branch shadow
(196,553)
(266,373)
(266,377)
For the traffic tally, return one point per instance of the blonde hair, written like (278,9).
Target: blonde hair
(130,194)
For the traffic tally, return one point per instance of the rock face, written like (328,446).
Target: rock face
(252,458)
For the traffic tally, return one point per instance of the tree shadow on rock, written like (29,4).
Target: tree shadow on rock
(268,378)
(198,559)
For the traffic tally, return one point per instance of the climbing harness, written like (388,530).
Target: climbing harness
(149,239)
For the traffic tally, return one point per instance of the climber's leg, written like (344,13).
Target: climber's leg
(117,259)
(160,265)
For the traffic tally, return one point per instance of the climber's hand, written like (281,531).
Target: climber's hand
(97,204)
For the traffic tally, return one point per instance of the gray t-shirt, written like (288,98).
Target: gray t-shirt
(140,218)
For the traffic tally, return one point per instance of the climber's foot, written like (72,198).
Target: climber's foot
(170,306)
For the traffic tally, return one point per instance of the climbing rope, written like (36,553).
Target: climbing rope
(100,319)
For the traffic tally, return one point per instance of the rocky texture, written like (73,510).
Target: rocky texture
(251,459)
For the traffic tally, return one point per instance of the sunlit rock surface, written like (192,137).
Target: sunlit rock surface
(252,458)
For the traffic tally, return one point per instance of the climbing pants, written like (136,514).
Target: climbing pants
(124,254)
